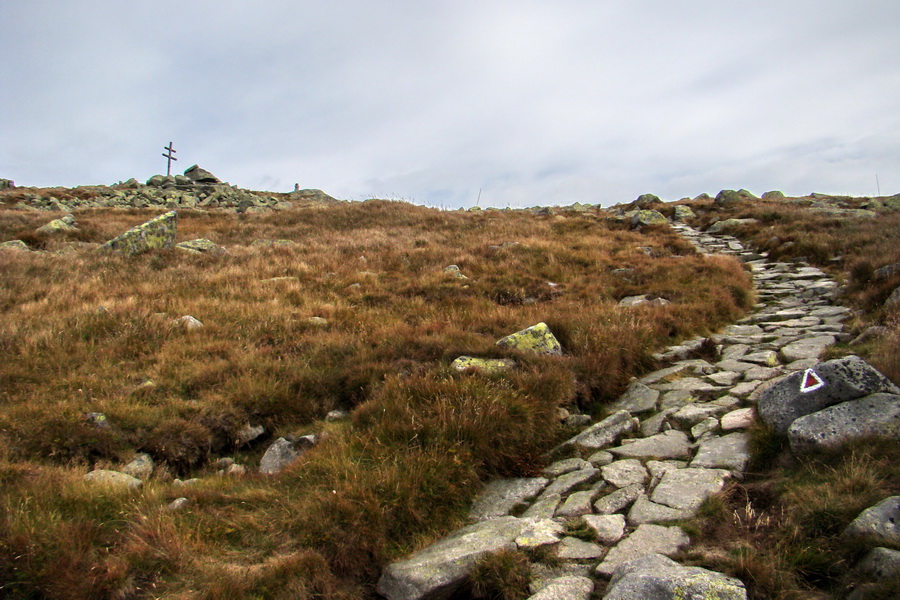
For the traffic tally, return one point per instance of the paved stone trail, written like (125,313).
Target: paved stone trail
(686,428)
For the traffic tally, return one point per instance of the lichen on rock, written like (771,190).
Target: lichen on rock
(157,233)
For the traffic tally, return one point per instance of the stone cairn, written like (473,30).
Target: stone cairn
(686,427)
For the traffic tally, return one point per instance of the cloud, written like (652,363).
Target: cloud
(529,102)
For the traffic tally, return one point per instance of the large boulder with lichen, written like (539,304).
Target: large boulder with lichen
(62,225)
(198,174)
(537,339)
(683,213)
(648,217)
(155,234)
(727,198)
(657,577)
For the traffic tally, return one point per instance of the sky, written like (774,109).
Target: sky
(456,103)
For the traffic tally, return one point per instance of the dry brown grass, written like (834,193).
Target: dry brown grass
(401,472)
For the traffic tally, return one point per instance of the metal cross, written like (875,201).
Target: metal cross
(170,157)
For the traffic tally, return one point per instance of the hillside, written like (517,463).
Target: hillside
(330,330)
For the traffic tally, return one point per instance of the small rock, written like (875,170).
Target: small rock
(618,500)
(278,456)
(484,365)
(178,504)
(540,533)
(188,322)
(337,415)
(566,588)
(141,467)
(623,473)
(741,418)
(248,433)
(669,444)
(637,398)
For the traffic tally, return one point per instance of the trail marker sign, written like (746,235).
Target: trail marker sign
(811,382)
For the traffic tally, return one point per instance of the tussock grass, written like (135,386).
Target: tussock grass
(780,530)
(421,438)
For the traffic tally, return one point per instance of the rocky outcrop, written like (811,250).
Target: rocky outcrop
(155,234)
(648,217)
(63,225)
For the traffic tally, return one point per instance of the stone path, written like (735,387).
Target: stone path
(675,437)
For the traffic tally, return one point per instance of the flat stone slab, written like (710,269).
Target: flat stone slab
(843,379)
(502,496)
(540,533)
(656,577)
(562,484)
(687,384)
(113,479)
(646,539)
(439,570)
(571,548)
(566,588)
(609,529)
(645,511)
(741,418)
(669,444)
(618,500)
(564,466)
(604,433)
(622,473)
(686,489)
(874,415)
(577,504)
(810,347)
(637,398)
(730,452)
(543,508)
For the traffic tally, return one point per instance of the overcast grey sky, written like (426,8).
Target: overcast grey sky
(533,103)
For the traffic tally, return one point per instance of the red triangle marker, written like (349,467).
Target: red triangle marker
(810,382)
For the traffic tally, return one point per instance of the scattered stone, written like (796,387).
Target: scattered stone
(646,539)
(248,433)
(63,225)
(97,420)
(881,522)
(188,322)
(236,470)
(178,504)
(439,570)
(601,458)
(278,456)
(577,504)
(453,271)
(720,226)
(844,379)
(141,467)
(483,365)
(201,246)
(656,577)
(543,508)
(17,245)
(500,497)
(336,415)
(537,339)
(704,427)
(155,234)
(113,479)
